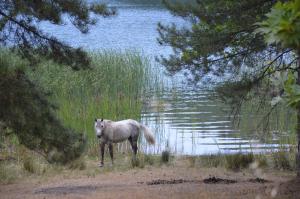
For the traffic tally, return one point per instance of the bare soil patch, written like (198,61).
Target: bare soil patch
(67,190)
(290,189)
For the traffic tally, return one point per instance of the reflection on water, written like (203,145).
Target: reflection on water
(189,121)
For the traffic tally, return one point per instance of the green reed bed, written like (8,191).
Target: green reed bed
(111,89)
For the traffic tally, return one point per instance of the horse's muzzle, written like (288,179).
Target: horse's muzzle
(99,136)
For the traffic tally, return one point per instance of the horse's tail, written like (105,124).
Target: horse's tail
(148,135)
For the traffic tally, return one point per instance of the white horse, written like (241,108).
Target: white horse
(109,132)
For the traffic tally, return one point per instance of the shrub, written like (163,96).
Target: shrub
(165,156)
(29,165)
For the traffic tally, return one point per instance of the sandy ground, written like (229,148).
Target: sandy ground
(158,182)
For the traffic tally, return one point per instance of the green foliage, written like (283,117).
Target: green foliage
(292,91)
(282,25)
(30,115)
(219,38)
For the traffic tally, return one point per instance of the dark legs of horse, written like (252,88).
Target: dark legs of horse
(102,148)
(133,142)
(111,152)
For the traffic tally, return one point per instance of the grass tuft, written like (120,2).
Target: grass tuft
(282,160)
(78,164)
(239,161)
(211,160)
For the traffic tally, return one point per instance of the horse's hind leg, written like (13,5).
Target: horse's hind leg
(133,142)
(111,152)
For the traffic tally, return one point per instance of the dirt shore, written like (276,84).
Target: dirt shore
(175,181)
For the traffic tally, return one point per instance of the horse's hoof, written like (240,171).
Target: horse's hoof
(100,165)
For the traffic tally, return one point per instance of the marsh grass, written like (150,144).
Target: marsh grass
(112,89)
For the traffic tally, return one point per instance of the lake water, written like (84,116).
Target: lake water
(184,118)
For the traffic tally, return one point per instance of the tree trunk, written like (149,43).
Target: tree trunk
(298,122)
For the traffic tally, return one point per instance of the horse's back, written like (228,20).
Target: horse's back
(127,122)
(124,129)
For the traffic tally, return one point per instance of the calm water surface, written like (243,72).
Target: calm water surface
(185,119)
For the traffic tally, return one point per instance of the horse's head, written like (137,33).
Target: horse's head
(99,127)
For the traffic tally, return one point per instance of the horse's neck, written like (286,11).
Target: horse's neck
(108,128)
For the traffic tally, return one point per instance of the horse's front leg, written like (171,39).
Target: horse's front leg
(111,152)
(102,148)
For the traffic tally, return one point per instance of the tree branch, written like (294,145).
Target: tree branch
(36,33)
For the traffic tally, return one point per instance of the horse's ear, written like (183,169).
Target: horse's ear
(101,119)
